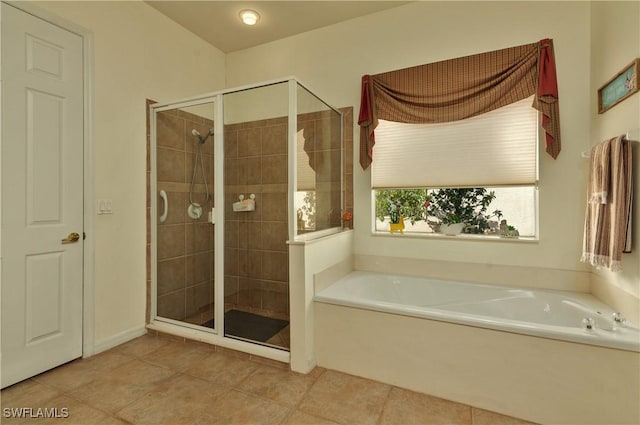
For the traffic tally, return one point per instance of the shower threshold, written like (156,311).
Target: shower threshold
(198,333)
(249,326)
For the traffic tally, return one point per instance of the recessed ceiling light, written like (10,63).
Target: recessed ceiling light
(249,17)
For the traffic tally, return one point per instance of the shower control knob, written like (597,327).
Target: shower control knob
(194,211)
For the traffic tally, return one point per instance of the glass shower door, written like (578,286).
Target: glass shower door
(277,178)
(185,197)
(256,260)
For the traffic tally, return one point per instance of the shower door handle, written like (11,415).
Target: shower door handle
(163,217)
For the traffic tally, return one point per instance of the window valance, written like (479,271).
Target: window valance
(461,88)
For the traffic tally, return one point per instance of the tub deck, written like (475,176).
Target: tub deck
(535,312)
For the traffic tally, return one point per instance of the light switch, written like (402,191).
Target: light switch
(104,206)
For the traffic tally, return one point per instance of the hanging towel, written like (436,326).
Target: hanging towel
(607,227)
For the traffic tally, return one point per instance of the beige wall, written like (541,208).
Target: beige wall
(615,42)
(332,60)
(138,54)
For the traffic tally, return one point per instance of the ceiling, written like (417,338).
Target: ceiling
(218,22)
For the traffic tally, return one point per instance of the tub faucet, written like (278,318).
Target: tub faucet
(588,323)
(618,318)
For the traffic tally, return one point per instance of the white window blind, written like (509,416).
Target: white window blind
(496,148)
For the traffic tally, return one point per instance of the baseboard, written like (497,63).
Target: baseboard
(118,339)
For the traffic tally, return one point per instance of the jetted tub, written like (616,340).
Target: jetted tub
(519,352)
(543,313)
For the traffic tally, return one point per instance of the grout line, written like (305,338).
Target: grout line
(384,405)
(306,392)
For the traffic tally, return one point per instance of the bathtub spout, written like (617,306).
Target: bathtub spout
(618,318)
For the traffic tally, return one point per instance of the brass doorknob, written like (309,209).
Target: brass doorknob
(71,238)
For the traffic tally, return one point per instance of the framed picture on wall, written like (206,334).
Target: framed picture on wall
(622,85)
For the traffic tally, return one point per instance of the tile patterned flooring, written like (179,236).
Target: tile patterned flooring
(157,379)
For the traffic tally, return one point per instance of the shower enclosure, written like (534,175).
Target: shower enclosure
(235,176)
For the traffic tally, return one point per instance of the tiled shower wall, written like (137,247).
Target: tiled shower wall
(321,132)
(249,250)
(185,245)
(256,253)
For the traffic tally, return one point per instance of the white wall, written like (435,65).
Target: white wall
(139,54)
(332,60)
(615,42)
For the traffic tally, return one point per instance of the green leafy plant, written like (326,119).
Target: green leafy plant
(308,209)
(463,205)
(393,203)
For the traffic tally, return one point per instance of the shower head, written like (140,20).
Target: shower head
(200,137)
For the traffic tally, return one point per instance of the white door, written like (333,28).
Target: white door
(42,195)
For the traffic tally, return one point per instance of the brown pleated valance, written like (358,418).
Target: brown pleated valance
(461,88)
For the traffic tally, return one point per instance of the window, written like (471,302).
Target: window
(480,171)
(305,196)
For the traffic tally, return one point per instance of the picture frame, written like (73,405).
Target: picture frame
(621,86)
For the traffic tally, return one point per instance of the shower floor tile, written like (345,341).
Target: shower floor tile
(165,381)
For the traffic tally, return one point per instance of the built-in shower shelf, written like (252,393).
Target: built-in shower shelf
(245,204)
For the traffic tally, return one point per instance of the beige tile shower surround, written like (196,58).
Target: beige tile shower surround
(156,379)
(256,265)
(185,245)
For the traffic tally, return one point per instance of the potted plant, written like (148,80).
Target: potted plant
(396,203)
(508,231)
(451,211)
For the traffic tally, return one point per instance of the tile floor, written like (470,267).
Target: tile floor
(156,379)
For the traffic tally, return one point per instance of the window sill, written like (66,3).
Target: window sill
(461,237)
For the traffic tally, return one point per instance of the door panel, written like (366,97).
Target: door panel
(44,57)
(44,115)
(42,195)
(43,296)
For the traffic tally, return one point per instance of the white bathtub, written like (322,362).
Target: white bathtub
(542,313)
(519,352)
